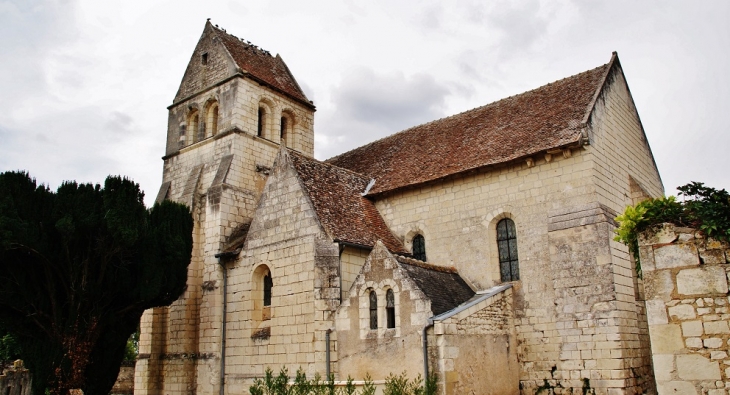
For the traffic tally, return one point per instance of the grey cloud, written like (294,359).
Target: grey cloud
(119,123)
(369,106)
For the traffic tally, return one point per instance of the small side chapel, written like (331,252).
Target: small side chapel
(478,247)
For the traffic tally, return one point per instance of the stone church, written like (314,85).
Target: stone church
(478,247)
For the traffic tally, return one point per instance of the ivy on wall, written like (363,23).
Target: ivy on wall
(704,208)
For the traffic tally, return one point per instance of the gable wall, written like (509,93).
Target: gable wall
(286,237)
(623,165)
(199,76)
(382,351)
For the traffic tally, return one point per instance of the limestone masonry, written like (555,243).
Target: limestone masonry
(478,247)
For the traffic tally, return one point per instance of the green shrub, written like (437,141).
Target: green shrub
(394,385)
(705,208)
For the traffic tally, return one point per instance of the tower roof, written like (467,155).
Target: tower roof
(262,66)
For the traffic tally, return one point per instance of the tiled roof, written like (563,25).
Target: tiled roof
(442,285)
(345,214)
(262,65)
(548,117)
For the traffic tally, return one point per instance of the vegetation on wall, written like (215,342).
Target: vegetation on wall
(394,385)
(704,208)
(9,349)
(77,268)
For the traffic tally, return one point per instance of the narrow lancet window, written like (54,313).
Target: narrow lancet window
(390,308)
(507,245)
(373,310)
(282,134)
(419,248)
(262,114)
(268,284)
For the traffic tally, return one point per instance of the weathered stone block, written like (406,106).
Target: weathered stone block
(676,387)
(694,342)
(697,367)
(704,280)
(656,312)
(683,312)
(692,328)
(715,327)
(666,339)
(713,342)
(663,367)
(660,234)
(659,285)
(712,257)
(676,255)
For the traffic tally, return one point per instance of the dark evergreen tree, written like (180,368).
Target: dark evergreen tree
(77,269)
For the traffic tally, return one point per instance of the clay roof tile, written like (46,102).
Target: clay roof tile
(548,117)
(345,214)
(260,64)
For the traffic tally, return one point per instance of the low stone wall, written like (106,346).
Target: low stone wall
(125,380)
(686,287)
(15,379)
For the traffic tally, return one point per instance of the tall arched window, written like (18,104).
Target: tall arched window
(211,120)
(193,122)
(390,308)
(262,120)
(268,284)
(373,310)
(509,268)
(282,132)
(419,248)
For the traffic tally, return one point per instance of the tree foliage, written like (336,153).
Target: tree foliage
(77,269)
(704,208)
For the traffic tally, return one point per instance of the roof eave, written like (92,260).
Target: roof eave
(577,143)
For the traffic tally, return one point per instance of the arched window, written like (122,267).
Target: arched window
(193,125)
(507,245)
(282,132)
(261,286)
(419,248)
(390,308)
(262,119)
(373,310)
(211,120)
(268,284)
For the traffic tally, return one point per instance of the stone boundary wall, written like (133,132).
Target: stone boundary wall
(686,287)
(125,380)
(15,379)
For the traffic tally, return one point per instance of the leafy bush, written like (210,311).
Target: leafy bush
(705,208)
(394,385)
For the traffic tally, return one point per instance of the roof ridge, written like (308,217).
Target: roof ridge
(364,177)
(415,262)
(494,103)
(246,43)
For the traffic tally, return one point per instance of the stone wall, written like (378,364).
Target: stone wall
(15,379)
(285,239)
(476,348)
(686,286)
(125,380)
(577,310)
(382,351)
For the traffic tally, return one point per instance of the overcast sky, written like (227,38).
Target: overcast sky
(84,84)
